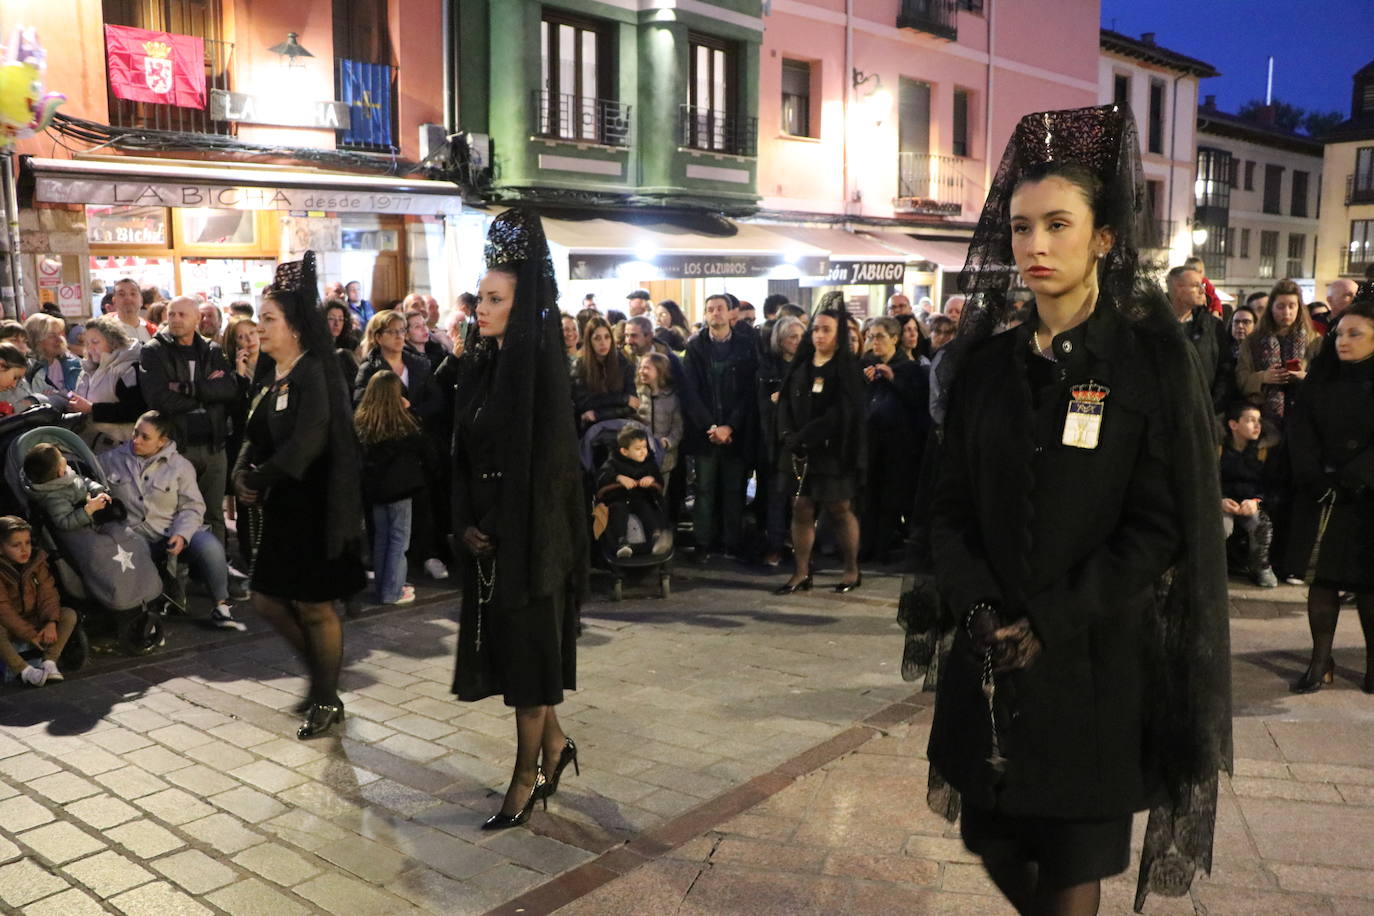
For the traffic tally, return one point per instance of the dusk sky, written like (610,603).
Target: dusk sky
(1317,45)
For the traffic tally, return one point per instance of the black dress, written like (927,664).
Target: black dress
(526,653)
(291,561)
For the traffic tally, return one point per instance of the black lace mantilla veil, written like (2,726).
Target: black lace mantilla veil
(541,541)
(1188,649)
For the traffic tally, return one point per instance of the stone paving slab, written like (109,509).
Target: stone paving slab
(174,784)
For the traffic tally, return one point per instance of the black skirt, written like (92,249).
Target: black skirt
(290,560)
(828,488)
(1068,852)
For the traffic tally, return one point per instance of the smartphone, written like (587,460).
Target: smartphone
(1293,365)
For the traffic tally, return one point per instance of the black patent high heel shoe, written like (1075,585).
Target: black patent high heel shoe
(319,718)
(499,821)
(1311,682)
(850,586)
(567,756)
(788,589)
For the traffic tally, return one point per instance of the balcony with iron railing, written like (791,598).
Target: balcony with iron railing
(929,185)
(1363,193)
(1156,234)
(934,17)
(219,60)
(1357,261)
(584,120)
(717,131)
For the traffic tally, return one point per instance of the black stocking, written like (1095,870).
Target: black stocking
(803,536)
(324,655)
(847,533)
(1365,602)
(1076,900)
(1323,608)
(1014,877)
(282,618)
(529,741)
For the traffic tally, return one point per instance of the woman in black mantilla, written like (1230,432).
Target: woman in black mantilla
(1077,541)
(1331,444)
(299,454)
(517,511)
(821,426)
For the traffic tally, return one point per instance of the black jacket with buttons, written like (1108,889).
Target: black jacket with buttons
(1075,539)
(1330,432)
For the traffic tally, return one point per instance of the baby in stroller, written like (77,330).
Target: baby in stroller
(69,500)
(629,483)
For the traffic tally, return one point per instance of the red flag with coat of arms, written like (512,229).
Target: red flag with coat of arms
(156,66)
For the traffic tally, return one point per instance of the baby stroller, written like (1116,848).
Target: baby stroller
(122,586)
(597,443)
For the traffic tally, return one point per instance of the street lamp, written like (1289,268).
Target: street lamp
(1199,237)
(291,51)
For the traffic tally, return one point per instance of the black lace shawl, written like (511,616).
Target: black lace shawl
(541,536)
(1188,653)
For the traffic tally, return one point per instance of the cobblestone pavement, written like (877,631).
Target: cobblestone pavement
(741,753)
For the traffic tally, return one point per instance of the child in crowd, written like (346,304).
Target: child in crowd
(630,483)
(69,500)
(659,407)
(29,607)
(1242,488)
(394,451)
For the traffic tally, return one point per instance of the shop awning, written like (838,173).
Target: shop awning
(854,258)
(131,181)
(603,248)
(943,255)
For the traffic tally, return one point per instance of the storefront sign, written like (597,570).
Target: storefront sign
(689,267)
(843,273)
(229,197)
(282,111)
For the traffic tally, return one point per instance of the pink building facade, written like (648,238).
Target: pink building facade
(887,118)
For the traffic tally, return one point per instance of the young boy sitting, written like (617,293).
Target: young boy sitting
(629,483)
(69,500)
(29,607)
(1242,489)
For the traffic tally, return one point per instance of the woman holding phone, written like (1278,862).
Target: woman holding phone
(1274,358)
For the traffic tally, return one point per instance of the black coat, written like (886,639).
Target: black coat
(1212,340)
(607,405)
(1331,446)
(197,404)
(421,391)
(395,469)
(899,410)
(725,397)
(772,371)
(1074,539)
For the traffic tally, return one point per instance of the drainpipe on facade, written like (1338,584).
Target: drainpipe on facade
(11,272)
(848,88)
(989,7)
(446,22)
(1173,145)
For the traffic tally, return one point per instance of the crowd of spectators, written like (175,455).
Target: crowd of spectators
(708,396)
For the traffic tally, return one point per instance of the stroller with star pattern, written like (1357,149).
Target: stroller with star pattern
(106,574)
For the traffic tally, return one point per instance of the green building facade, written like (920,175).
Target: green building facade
(621,104)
